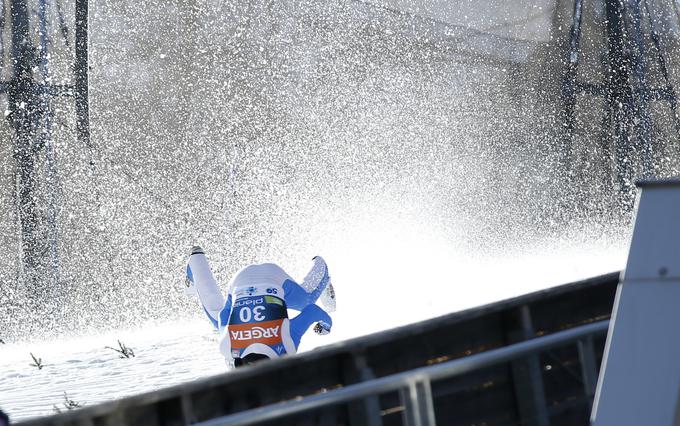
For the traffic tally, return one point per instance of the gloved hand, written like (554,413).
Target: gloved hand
(322,328)
(190,288)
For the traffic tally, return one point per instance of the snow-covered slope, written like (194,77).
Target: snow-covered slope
(371,297)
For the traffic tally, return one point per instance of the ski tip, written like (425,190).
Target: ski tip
(197,250)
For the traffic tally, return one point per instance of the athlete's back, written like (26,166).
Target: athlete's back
(258,322)
(253,320)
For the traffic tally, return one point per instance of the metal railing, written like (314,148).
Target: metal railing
(413,385)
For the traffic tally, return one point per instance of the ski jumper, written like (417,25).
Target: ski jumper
(254,317)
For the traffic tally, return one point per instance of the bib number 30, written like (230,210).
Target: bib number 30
(246,313)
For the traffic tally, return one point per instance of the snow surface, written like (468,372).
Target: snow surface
(89,373)
(181,351)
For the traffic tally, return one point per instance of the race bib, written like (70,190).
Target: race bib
(257,319)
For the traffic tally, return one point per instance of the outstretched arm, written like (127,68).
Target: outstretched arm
(198,271)
(302,322)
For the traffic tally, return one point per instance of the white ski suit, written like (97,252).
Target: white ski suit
(254,317)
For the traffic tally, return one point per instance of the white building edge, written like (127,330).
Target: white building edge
(639,380)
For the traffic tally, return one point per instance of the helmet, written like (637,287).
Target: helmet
(249,359)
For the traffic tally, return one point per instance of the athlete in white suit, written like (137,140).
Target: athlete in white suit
(253,320)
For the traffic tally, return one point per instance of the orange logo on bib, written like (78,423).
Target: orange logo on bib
(244,335)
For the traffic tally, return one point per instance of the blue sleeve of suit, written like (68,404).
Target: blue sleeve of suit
(308,316)
(224,314)
(297,297)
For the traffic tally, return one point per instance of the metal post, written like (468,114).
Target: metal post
(426,406)
(44,124)
(2,37)
(527,374)
(586,354)
(606,140)
(81,77)
(408,416)
(367,411)
(418,404)
(569,84)
(619,97)
(24,108)
(537,390)
(639,66)
(30,93)
(669,90)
